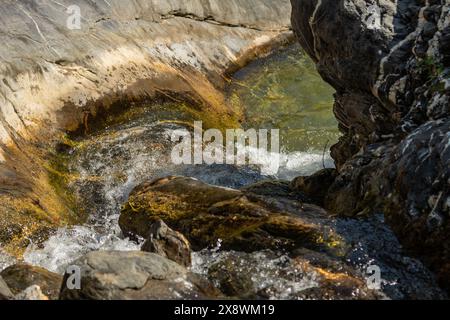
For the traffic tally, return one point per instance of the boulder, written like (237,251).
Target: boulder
(168,243)
(5,292)
(20,277)
(315,186)
(242,221)
(135,275)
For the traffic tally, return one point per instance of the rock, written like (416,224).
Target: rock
(5,292)
(315,186)
(32,293)
(119,275)
(393,156)
(19,277)
(267,275)
(60,79)
(242,221)
(168,243)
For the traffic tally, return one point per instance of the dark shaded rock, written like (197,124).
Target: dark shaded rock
(5,292)
(206,214)
(168,243)
(275,189)
(393,157)
(118,275)
(267,275)
(19,277)
(315,186)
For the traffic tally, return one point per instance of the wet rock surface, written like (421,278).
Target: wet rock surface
(240,275)
(20,277)
(5,292)
(112,275)
(58,79)
(394,156)
(266,243)
(206,213)
(168,243)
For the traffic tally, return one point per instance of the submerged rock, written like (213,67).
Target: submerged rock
(20,277)
(206,214)
(168,243)
(135,275)
(5,292)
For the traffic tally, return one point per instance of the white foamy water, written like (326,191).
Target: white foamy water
(273,276)
(6,260)
(112,164)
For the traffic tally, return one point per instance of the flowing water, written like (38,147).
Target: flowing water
(282,91)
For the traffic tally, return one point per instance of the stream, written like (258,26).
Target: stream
(281,91)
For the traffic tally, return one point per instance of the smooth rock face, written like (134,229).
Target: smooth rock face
(5,292)
(168,243)
(118,275)
(20,277)
(206,214)
(392,73)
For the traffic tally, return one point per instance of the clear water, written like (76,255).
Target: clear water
(282,91)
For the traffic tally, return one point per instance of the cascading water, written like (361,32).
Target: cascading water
(282,91)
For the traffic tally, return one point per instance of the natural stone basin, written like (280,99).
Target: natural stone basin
(104,167)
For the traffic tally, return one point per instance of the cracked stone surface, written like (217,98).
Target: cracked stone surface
(392,103)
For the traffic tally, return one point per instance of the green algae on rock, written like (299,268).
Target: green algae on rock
(206,214)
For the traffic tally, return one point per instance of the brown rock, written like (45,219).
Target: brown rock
(168,243)
(19,277)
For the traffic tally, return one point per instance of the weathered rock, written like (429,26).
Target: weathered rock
(58,79)
(315,186)
(19,277)
(5,292)
(118,275)
(394,156)
(168,243)
(266,275)
(32,293)
(206,214)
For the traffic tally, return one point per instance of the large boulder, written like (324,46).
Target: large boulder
(20,277)
(394,156)
(119,275)
(242,221)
